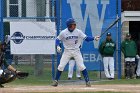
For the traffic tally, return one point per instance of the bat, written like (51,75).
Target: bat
(111,25)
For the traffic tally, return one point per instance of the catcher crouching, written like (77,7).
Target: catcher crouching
(10,74)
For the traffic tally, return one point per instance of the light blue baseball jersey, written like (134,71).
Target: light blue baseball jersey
(71,40)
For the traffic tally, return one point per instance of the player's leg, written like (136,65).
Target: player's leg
(78,73)
(79,62)
(2,81)
(132,69)
(7,77)
(111,67)
(127,69)
(106,63)
(64,60)
(71,68)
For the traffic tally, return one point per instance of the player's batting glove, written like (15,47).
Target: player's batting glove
(59,50)
(96,38)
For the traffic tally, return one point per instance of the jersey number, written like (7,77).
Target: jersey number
(76,41)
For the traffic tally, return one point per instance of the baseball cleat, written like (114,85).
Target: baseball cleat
(55,83)
(88,84)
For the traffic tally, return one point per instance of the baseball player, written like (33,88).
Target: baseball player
(71,37)
(129,50)
(10,73)
(107,49)
(71,68)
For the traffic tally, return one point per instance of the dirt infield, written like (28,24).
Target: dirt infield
(71,88)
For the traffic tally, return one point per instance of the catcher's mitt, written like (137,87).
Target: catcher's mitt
(22,75)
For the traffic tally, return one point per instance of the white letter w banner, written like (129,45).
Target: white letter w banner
(92,17)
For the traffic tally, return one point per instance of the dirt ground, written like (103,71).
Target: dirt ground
(71,88)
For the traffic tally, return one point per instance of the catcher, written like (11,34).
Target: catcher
(10,73)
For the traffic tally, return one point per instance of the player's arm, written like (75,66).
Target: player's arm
(9,67)
(58,45)
(135,47)
(88,38)
(123,47)
(101,47)
(58,41)
(19,74)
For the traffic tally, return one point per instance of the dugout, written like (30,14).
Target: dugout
(130,24)
(131,18)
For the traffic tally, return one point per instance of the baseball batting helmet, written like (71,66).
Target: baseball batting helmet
(70,21)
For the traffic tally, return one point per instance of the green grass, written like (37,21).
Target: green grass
(46,78)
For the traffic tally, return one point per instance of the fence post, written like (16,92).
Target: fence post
(58,24)
(119,40)
(1,21)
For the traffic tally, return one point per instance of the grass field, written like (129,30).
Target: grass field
(46,79)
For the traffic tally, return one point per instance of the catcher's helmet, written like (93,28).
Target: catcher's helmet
(70,21)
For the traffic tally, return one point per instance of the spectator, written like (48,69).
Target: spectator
(107,49)
(129,50)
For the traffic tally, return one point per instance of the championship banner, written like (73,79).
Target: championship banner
(32,37)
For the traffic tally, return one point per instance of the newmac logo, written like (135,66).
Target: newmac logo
(18,37)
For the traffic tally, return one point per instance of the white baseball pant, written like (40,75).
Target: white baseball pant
(109,66)
(71,69)
(67,55)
